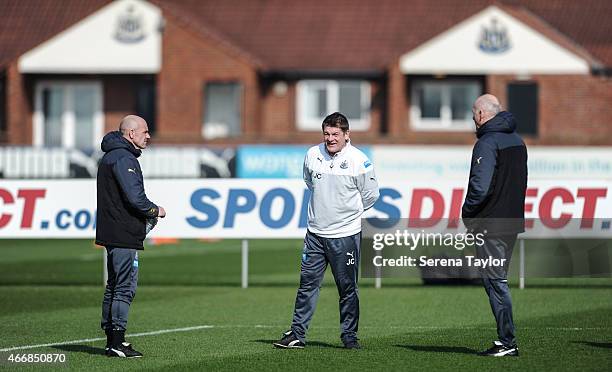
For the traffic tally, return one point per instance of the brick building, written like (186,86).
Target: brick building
(229,72)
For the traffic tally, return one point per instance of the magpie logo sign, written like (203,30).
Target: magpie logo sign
(130,26)
(494,38)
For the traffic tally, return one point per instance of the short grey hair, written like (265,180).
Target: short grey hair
(491,107)
(488,103)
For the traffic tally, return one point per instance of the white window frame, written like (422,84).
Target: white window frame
(445,123)
(68,116)
(305,123)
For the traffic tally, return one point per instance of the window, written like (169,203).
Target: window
(318,98)
(222,110)
(68,114)
(443,104)
(523,104)
(145,102)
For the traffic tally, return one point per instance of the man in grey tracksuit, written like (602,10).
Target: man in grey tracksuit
(343,185)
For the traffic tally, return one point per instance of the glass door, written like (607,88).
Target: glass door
(68,114)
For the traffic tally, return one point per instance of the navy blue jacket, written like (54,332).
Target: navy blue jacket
(498,177)
(123,206)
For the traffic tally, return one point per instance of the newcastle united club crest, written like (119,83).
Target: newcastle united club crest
(130,26)
(494,38)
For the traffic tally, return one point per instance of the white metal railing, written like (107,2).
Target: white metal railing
(32,162)
(22,162)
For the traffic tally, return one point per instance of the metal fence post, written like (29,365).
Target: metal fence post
(104,267)
(378,273)
(245,263)
(522,263)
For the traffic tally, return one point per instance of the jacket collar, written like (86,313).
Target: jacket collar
(503,122)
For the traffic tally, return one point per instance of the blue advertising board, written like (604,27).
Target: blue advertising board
(274,161)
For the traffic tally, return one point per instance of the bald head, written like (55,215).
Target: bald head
(485,108)
(135,129)
(130,122)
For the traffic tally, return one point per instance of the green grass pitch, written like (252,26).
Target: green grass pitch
(50,292)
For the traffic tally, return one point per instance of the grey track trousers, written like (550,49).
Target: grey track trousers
(122,266)
(342,254)
(496,285)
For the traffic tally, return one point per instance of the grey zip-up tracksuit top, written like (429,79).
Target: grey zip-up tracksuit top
(343,186)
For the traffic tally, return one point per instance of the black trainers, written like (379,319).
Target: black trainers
(352,345)
(499,350)
(289,341)
(124,350)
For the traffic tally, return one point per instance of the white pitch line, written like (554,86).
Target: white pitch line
(195,328)
(162,331)
(52,344)
(486,328)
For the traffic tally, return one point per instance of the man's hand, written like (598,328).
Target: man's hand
(161,213)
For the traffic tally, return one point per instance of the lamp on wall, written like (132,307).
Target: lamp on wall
(161,26)
(280,88)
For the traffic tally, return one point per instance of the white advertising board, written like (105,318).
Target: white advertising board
(267,208)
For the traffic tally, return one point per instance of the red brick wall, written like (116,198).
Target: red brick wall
(573,109)
(189,60)
(18,108)
(397,104)
(278,111)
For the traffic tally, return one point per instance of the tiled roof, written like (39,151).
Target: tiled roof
(24,24)
(370,34)
(328,35)
(586,22)
(318,35)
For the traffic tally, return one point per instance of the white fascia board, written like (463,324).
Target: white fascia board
(514,48)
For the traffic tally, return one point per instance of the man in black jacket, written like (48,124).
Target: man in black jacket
(495,205)
(123,213)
